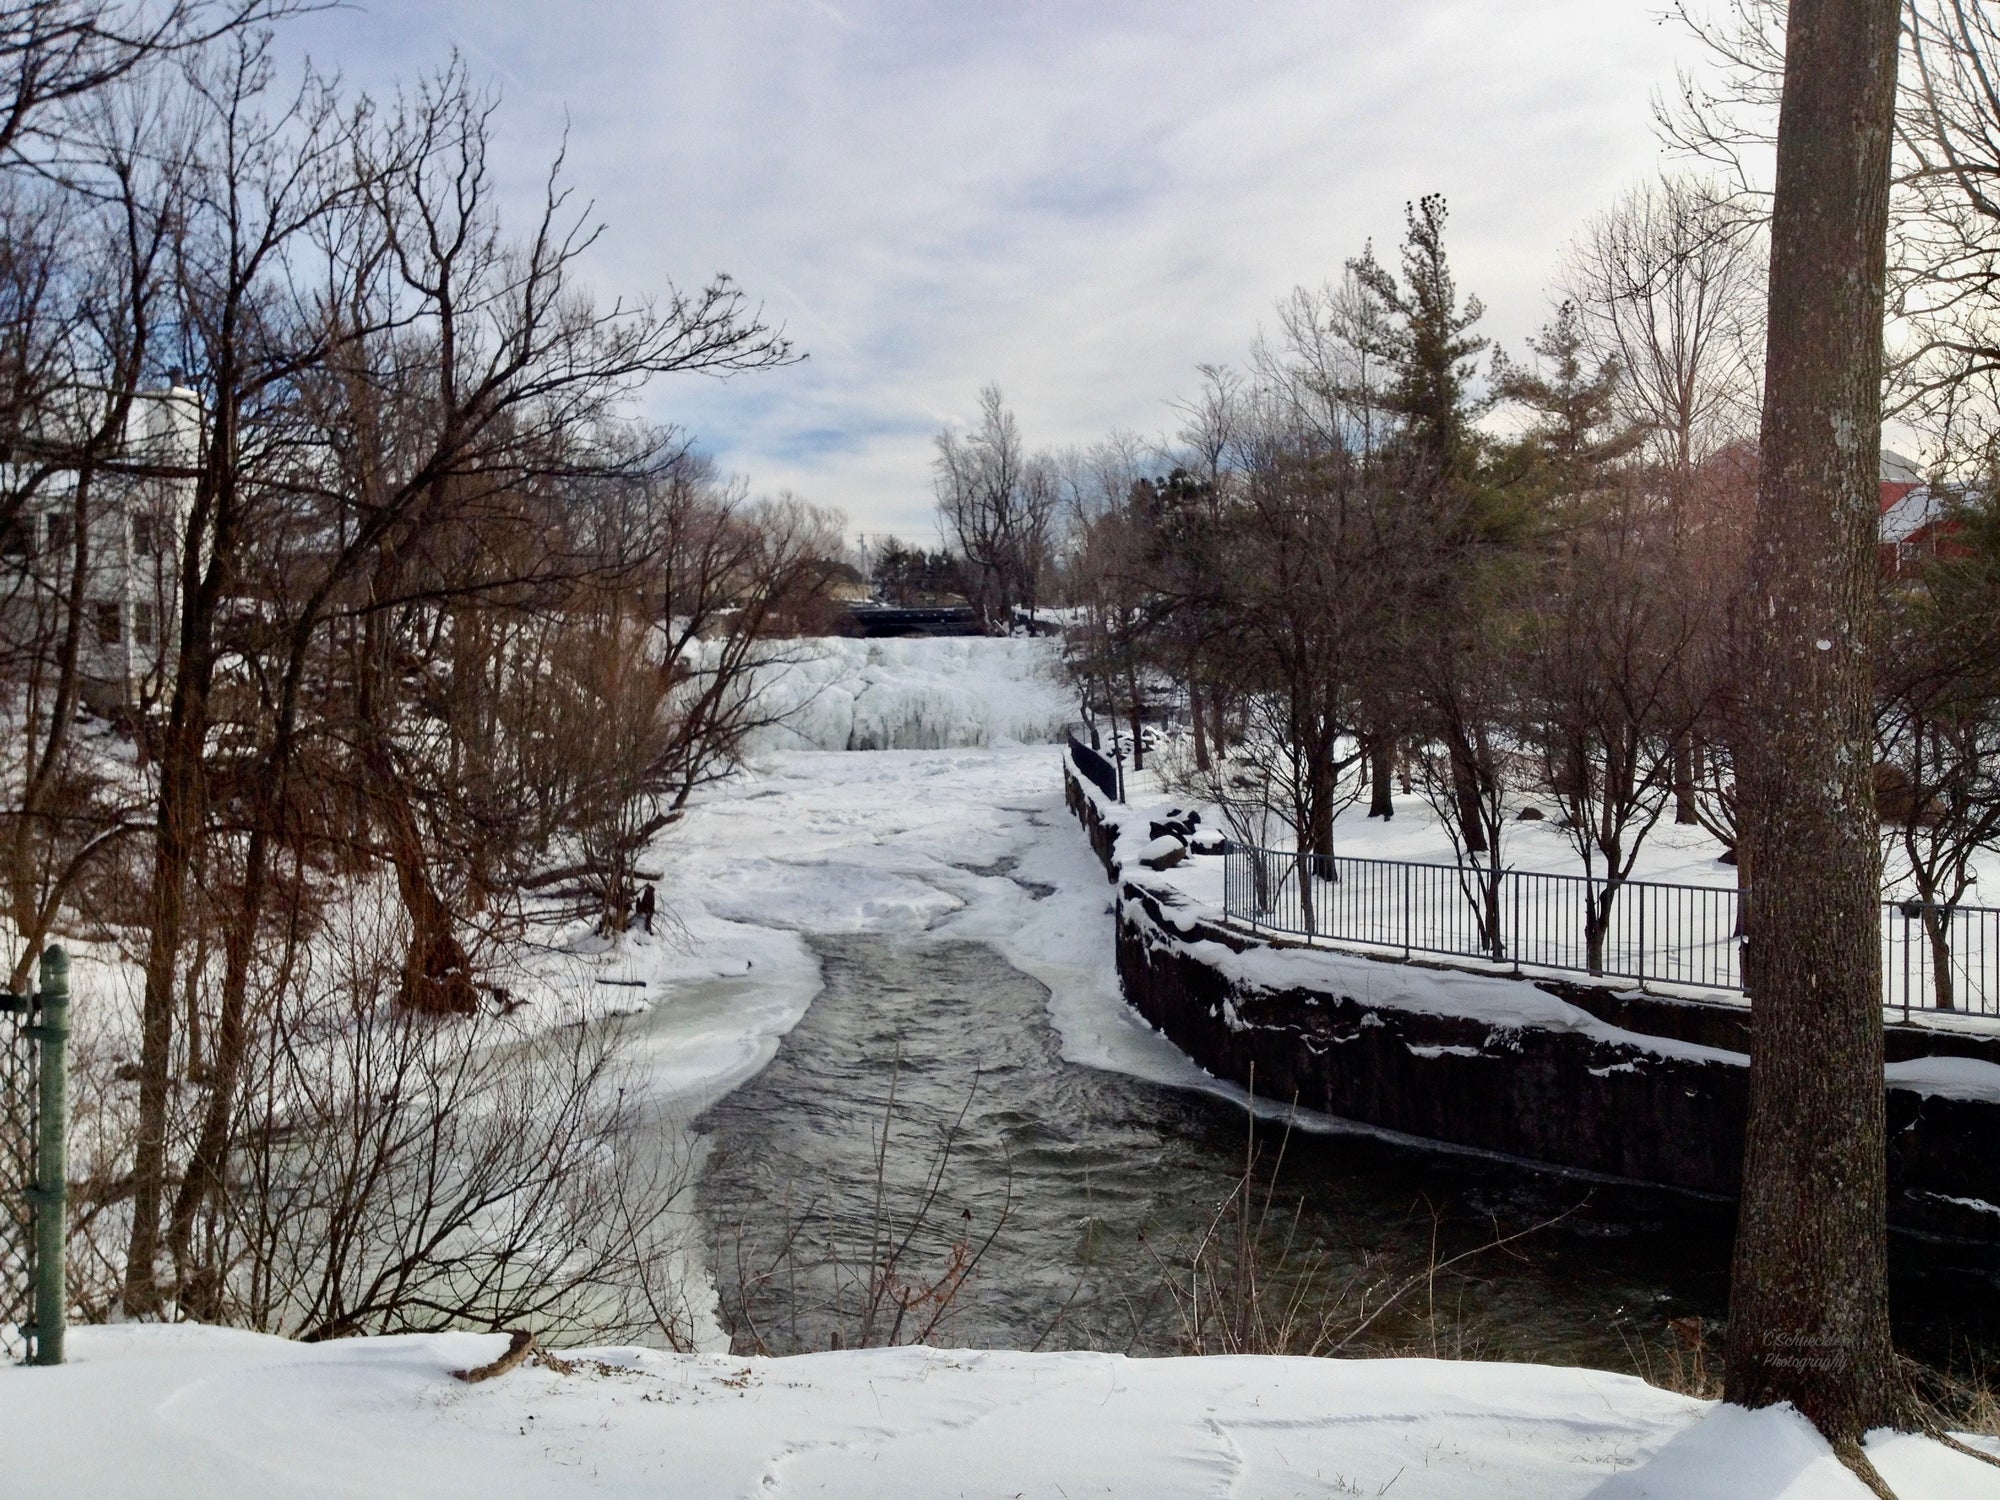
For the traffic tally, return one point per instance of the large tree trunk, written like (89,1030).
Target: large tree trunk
(1381,771)
(1809,1312)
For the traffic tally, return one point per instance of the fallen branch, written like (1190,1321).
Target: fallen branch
(519,1347)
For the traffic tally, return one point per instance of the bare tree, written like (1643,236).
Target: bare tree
(382,374)
(95,458)
(655,693)
(1670,284)
(1604,688)
(55,54)
(1725,114)
(396,1177)
(1333,371)
(1946,273)
(997,505)
(1937,730)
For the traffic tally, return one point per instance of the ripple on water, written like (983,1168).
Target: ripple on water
(1101,1177)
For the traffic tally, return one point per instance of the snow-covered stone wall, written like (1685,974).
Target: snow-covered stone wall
(1492,1064)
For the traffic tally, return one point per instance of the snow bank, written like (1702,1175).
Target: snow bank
(185,1411)
(920,694)
(1948,1077)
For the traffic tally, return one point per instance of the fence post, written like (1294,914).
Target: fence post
(51,1195)
(1641,965)
(1512,881)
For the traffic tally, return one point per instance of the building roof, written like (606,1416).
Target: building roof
(1911,512)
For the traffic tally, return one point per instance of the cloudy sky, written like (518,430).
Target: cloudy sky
(1081,200)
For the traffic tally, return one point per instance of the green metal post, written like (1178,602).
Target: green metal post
(52,1159)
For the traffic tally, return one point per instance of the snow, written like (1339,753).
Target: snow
(173,1412)
(917,694)
(1947,1077)
(1673,854)
(1503,1004)
(975,844)
(1914,512)
(972,844)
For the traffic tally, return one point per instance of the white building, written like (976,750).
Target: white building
(137,501)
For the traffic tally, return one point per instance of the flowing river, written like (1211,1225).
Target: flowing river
(1082,1195)
(1082,1201)
(1086,1197)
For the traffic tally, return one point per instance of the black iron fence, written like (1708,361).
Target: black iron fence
(1933,958)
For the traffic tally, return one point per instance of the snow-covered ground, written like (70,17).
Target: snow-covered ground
(213,1415)
(1670,937)
(1679,854)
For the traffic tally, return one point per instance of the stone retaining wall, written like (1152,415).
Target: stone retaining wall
(1632,1109)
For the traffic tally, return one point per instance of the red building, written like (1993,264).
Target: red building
(1916,520)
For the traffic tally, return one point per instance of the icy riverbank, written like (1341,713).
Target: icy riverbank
(972,844)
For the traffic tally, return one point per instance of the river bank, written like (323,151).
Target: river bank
(780,883)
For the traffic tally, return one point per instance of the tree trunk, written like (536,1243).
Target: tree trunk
(1325,781)
(1200,733)
(178,824)
(1465,793)
(1684,808)
(1937,929)
(1138,717)
(1597,924)
(208,1167)
(1381,771)
(177,828)
(1809,1309)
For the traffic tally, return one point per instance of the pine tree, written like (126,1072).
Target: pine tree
(1429,344)
(1575,432)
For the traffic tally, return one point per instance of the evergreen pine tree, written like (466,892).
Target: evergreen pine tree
(1429,344)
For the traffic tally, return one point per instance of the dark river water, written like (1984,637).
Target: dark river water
(1023,1201)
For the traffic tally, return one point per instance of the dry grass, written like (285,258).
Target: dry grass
(1681,1359)
(1252,1283)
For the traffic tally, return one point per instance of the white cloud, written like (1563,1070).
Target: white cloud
(1079,200)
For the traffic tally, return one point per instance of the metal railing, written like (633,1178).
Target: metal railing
(34,1081)
(1941,958)
(1648,931)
